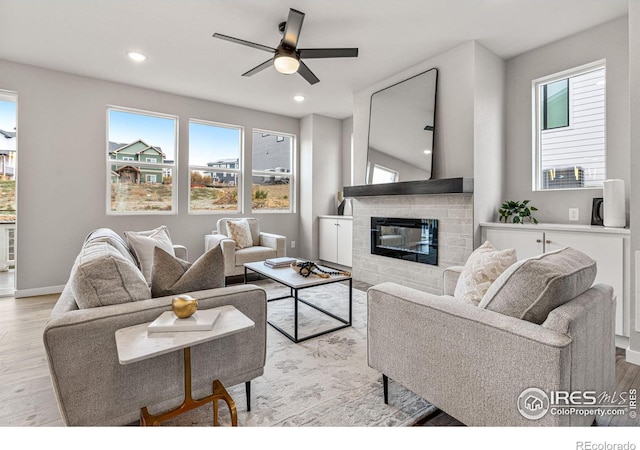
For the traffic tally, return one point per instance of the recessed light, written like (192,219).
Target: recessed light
(298,98)
(136,56)
(427,152)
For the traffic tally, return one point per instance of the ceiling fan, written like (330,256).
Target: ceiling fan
(287,57)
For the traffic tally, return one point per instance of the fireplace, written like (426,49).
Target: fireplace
(408,239)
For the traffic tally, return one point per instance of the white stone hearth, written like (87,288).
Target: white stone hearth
(455,238)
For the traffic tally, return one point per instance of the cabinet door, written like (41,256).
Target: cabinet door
(328,236)
(345,242)
(608,253)
(526,242)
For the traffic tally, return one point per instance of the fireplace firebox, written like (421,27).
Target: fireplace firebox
(409,239)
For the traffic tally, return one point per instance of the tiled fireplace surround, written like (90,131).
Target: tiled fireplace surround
(455,237)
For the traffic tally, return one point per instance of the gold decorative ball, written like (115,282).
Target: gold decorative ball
(184,306)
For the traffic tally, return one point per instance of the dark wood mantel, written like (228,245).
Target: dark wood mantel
(440,186)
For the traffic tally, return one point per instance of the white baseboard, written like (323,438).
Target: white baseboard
(39,291)
(622,342)
(633,356)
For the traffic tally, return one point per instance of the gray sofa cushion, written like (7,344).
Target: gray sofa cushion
(530,289)
(112,238)
(171,275)
(102,276)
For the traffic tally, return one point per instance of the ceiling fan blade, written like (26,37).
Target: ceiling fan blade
(259,68)
(243,42)
(307,74)
(292,28)
(328,52)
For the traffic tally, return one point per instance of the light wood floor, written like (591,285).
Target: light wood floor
(26,395)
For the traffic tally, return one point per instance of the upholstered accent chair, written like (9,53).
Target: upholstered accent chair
(258,247)
(474,362)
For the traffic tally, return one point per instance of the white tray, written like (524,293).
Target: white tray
(201,320)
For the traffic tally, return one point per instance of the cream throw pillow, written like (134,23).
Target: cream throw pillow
(143,242)
(239,231)
(482,268)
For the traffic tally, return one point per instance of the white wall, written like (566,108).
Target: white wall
(347,139)
(320,176)
(633,352)
(62,175)
(454,140)
(488,137)
(609,41)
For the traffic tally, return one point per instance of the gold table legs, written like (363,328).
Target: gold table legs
(189,403)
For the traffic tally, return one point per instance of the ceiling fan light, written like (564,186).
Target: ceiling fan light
(286,64)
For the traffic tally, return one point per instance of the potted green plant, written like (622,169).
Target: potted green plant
(519,210)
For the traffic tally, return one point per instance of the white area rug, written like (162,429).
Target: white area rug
(324,381)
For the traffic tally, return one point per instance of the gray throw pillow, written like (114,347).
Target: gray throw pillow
(102,276)
(530,289)
(172,276)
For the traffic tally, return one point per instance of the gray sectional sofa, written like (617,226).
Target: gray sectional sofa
(92,388)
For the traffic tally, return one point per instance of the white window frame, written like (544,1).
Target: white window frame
(291,175)
(173,167)
(537,132)
(371,171)
(237,171)
(128,158)
(147,159)
(148,178)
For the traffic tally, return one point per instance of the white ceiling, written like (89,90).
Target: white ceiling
(90,37)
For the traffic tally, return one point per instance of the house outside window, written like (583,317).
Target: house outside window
(569,128)
(141,150)
(215,152)
(273,162)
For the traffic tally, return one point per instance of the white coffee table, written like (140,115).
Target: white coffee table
(135,344)
(295,282)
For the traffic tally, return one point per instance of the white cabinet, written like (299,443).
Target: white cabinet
(336,240)
(609,247)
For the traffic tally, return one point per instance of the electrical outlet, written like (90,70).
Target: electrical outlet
(293,244)
(574,214)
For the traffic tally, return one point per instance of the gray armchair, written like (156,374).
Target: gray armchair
(265,245)
(474,363)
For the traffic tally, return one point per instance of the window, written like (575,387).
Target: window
(8,150)
(214,164)
(555,104)
(569,118)
(273,162)
(135,184)
(382,174)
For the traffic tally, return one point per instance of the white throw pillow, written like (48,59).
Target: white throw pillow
(143,242)
(239,231)
(482,268)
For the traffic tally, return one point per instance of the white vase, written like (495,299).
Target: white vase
(613,202)
(348,208)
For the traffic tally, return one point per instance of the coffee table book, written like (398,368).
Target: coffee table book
(276,263)
(201,320)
